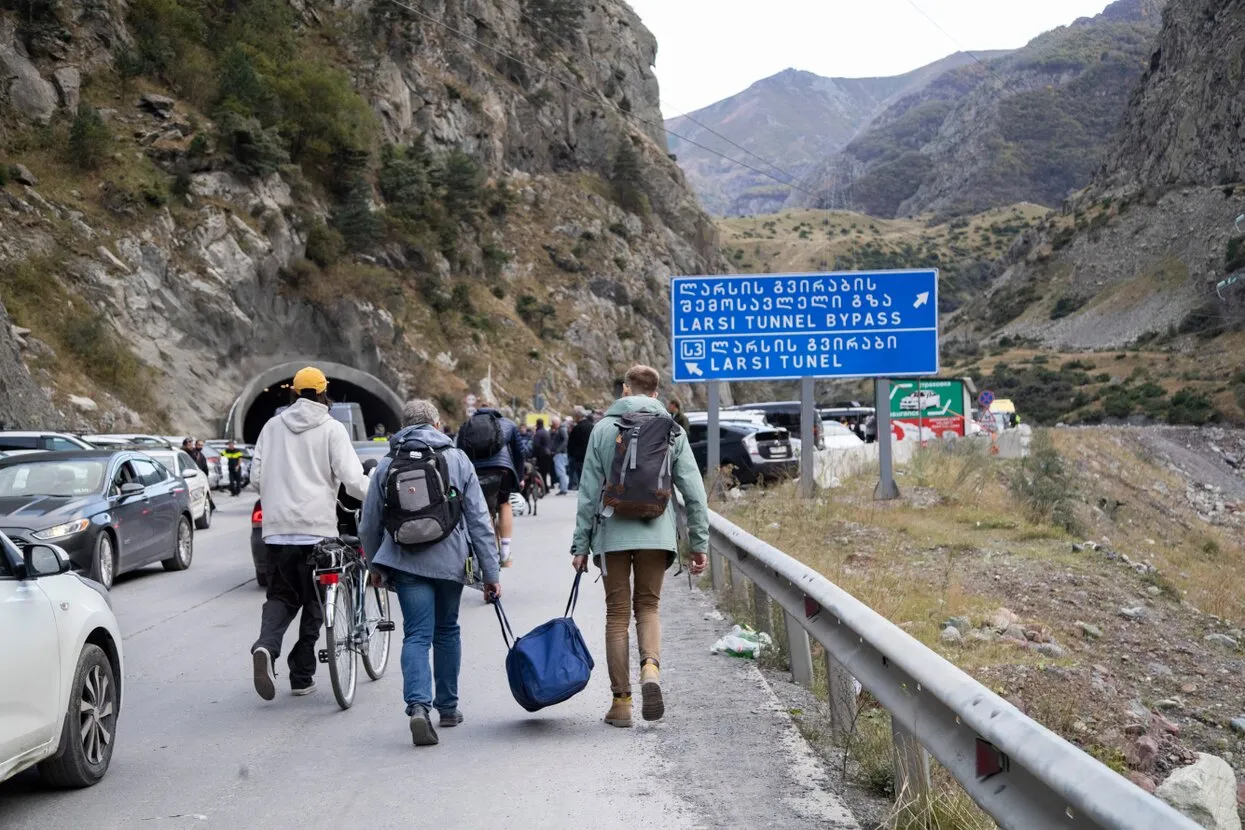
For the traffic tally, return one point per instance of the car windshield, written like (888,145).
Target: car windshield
(835,428)
(168,460)
(66,479)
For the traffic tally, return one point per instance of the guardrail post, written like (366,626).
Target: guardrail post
(761,607)
(841,692)
(739,587)
(717,565)
(911,768)
(800,651)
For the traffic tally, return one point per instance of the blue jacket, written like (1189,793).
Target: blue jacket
(511,456)
(446,559)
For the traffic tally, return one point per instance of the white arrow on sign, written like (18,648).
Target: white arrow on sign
(694,368)
(921,299)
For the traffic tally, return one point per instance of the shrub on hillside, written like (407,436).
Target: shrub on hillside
(253,150)
(89,139)
(1043,486)
(354,219)
(628,181)
(324,245)
(554,20)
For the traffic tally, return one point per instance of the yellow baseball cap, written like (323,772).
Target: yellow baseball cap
(311,378)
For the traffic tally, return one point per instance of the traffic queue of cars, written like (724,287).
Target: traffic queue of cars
(75,513)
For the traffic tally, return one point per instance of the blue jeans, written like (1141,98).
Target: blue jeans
(577,469)
(429,620)
(559,469)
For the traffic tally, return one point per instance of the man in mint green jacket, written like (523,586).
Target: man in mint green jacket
(647,548)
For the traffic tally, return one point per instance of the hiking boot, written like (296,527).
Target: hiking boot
(654,706)
(451,719)
(422,733)
(620,712)
(265,680)
(302,691)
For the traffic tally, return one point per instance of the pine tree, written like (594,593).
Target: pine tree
(628,181)
(353,217)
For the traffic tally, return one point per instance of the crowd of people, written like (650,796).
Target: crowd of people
(436,516)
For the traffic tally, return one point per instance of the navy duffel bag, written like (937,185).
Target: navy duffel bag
(550,663)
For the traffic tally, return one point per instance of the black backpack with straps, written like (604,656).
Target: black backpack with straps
(640,479)
(421,504)
(481,437)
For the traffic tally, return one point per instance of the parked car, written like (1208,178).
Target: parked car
(369,452)
(350,414)
(18,442)
(180,464)
(839,437)
(61,670)
(218,445)
(785,414)
(217,479)
(111,511)
(757,452)
(129,439)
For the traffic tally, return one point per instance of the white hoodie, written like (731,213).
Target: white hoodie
(301,459)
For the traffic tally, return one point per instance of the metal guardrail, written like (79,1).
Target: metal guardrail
(1025,776)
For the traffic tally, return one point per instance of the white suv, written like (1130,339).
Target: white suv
(60,675)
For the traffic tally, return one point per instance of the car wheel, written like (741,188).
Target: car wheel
(261,579)
(90,724)
(185,550)
(205,521)
(104,562)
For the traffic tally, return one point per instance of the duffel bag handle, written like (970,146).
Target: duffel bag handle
(507,633)
(574,598)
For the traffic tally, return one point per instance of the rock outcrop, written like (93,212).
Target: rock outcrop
(1205,791)
(203,269)
(23,404)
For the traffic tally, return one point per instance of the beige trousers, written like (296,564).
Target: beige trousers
(649,567)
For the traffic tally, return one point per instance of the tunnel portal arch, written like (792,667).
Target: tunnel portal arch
(268,391)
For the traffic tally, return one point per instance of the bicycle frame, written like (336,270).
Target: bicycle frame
(330,576)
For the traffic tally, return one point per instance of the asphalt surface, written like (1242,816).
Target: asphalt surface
(198,748)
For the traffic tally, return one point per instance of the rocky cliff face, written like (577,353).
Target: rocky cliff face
(1026,127)
(23,404)
(543,258)
(1137,256)
(793,119)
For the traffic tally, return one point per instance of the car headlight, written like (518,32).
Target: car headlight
(63,530)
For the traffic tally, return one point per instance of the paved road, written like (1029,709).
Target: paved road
(197,747)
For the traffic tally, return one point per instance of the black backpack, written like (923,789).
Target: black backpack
(481,436)
(422,506)
(640,480)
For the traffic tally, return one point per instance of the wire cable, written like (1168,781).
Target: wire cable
(949,37)
(598,98)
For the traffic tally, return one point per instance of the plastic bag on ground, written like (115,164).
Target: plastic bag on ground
(742,641)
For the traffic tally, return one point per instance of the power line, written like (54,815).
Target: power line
(688,116)
(597,98)
(958,46)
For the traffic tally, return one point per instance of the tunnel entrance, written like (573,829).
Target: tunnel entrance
(270,390)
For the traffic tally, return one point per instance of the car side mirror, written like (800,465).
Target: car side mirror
(188,473)
(46,560)
(132,488)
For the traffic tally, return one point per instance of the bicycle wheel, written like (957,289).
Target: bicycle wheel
(375,648)
(342,663)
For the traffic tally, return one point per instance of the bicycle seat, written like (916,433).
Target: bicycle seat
(351,541)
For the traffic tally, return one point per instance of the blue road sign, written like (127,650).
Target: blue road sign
(788,326)
(986,398)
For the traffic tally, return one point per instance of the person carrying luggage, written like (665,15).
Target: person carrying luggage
(423,517)
(625,522)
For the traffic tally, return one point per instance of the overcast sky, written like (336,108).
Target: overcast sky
(711,49)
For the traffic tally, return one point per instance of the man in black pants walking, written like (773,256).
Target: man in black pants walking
(302,457)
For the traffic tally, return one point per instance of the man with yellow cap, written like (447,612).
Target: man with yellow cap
(301,460)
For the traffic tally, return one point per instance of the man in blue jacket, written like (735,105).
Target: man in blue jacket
(429,579)
(500,476)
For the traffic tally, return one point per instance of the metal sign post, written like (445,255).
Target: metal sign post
(808,448)
(887,489)
(713,467)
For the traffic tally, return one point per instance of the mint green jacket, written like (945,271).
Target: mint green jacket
(595,534)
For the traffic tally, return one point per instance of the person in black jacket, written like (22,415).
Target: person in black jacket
(577,446)
(542,449)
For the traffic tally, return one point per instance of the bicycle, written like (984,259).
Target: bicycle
(356,616)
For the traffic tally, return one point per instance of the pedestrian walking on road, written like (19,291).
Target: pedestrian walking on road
(302,458)
(676,411)
(429,577)
(559,433)
(542,448)
(577,446)
(626,523)
(233,460)
(491,441)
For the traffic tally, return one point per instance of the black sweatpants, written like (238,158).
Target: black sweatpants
(291,589)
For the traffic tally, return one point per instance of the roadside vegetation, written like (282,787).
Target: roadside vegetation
(1080,583)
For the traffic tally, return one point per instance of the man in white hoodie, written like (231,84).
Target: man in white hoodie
(302,458)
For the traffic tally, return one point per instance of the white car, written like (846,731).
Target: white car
(183,466)
(840,437)
(60,668)
(921,400)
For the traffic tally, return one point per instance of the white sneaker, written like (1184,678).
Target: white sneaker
(265,681)
(306,690)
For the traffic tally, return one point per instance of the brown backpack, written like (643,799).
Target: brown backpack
(640,480)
